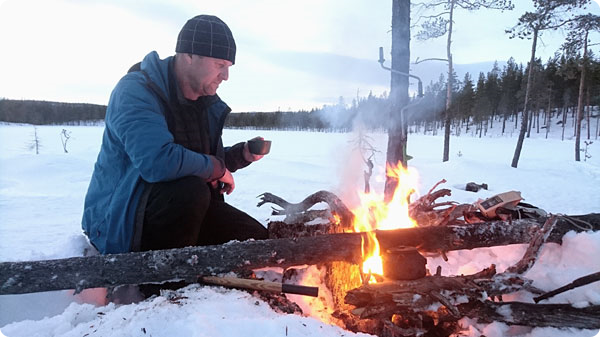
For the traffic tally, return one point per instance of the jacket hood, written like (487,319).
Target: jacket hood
(158,70)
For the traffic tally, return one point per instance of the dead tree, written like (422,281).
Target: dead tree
(398,129)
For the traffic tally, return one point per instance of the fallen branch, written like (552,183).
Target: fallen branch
(187,263)
(534,315)
(335,205)
(534,248)
(595,277)
(459,296)
(456,237)
(385,299)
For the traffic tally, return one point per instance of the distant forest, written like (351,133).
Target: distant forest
(477,100)
(44,112)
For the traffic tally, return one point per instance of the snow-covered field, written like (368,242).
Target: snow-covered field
(41,201)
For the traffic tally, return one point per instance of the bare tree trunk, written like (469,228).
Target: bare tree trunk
(397,133)
(548,115)
(580,100)
(589,127)
(530,123)
(597,128)
(517,154)
(449,88)
(486,126)
(564,123)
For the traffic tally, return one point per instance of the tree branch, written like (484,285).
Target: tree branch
(417,61)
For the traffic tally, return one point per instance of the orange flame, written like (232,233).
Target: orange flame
(374,213)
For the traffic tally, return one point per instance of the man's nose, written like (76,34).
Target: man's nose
(225,74)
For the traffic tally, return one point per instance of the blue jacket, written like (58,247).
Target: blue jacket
(137,148)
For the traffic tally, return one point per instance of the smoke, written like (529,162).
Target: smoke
(375,112)
(361,148)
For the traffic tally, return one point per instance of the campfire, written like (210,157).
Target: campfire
(375,214)
(388,290)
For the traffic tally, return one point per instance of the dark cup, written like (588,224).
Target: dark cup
(259,146)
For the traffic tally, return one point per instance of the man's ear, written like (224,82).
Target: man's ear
(188,58)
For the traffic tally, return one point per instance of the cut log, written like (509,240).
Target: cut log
(535,315)
(415,299)
(184,264)
(512,313)
(457,237)
(402,293)
(189,263)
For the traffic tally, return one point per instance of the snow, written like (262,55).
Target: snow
(41,201)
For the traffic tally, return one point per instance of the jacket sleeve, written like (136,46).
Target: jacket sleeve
(135,117)
(234,157)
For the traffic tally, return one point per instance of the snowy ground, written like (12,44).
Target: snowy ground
(41,200)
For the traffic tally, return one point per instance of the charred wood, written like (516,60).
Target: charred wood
(591,278)
(534,247)
(468,236)
(188,263)
(534,315)
(335,205)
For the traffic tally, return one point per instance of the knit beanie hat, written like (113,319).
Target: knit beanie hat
(206,35)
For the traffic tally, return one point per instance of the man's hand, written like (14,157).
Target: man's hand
(249,156)
(228,183)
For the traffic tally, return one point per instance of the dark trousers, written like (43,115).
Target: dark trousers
(186,212)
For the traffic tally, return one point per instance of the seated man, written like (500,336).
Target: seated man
(162,168)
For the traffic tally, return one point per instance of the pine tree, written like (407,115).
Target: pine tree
(510,84)
(439,25)
(548,15)
(579,30)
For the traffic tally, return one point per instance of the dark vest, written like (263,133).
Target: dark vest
(187,121)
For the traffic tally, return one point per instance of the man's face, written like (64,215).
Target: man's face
(205,74)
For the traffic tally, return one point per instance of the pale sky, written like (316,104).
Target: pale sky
(290,54)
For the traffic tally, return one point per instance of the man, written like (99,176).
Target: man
(162,168)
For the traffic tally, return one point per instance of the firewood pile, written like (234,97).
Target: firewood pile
(412,301)
(407,300)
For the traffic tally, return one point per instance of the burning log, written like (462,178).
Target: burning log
(401,294)
(188,263)
(457,237)
(459,296)
(424,210)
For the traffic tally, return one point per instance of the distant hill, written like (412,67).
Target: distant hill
(45,112)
